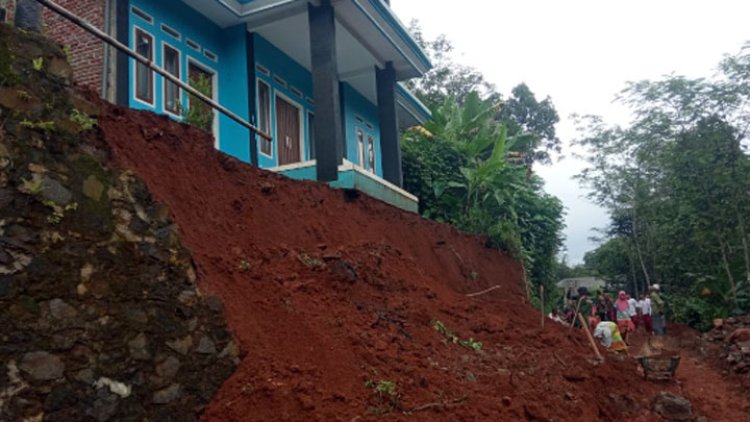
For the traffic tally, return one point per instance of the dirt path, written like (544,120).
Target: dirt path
(699,378)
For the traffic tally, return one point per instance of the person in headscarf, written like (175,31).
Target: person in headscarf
(609,336)
(622,310)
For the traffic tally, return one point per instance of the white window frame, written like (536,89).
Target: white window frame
(214,91)
(361,150)
(180,102)
(137,28)
(300,112)
(271,113)
(371,154)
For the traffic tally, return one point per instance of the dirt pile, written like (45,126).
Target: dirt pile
(334,300)
(733,334)
(343,308)
(100,315)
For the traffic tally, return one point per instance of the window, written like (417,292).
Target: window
(144,77)
(264,116)
(171,90)
(370,154)
(361,147)
(311,130)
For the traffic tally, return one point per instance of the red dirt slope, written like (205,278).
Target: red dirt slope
(326,292)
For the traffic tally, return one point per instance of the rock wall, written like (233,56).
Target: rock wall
(734,335)
(101,318)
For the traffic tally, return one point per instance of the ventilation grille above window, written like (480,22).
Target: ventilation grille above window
(210,55)
(263,70)
(170,31)
(141,14)
(279,81)
(192,44)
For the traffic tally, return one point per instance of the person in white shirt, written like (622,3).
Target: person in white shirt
(645,304)
(632,312)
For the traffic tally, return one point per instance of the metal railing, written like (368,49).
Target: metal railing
(150,64)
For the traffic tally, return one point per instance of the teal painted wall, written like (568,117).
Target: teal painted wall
(230,68)
(233,93)
(357,106)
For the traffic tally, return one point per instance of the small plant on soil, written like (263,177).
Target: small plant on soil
(453,338)
(58,211)
(47,126)
(31,187)
(387,396)
(247,389)
(471,344)
(38,63)
(81,119)
(311,262)
(23,95)
(244,266)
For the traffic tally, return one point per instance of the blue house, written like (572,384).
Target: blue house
(321,77)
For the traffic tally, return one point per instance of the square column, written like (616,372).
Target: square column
(329,131)
(390,145)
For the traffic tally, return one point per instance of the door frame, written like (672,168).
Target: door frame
(214,91)
(300,116)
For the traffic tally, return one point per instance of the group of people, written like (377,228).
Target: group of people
(612,321)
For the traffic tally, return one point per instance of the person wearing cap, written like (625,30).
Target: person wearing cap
(657,305)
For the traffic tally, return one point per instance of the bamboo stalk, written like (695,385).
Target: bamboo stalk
(573,323)
(541,303)
(485,291)
(588,334)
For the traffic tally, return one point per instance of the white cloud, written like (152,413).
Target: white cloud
(581,53)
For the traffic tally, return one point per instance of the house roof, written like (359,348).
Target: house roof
(591,283)
(371,22)
(412,112)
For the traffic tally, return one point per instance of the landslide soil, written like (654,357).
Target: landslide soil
(331,292)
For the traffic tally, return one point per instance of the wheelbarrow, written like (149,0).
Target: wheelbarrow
(659,367)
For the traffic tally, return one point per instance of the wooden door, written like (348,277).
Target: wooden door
(287,132)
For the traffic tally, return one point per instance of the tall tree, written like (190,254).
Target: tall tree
(676,185)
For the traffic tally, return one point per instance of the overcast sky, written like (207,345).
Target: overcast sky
(581,53)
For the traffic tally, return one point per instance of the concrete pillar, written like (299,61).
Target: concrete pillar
(390,146)
(329,133)
(122,68)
